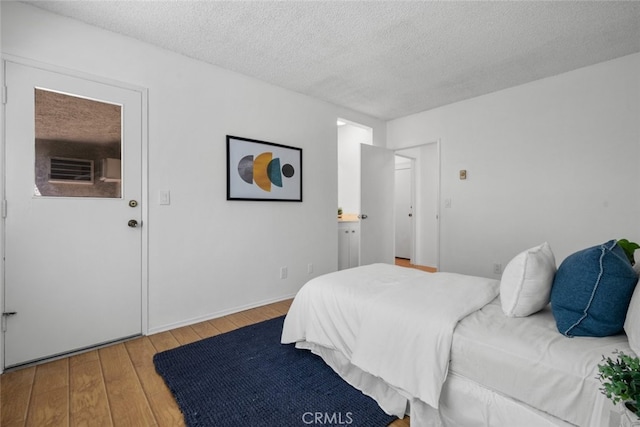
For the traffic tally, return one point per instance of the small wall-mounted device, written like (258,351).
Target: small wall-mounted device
(463,174)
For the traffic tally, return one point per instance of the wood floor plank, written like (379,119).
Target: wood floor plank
(282,306)
(223,324)
(115,362)
(163,341)
(239,319)
(404,422)
(402,262)
(205,330)
(88,403)
(128,403)
(166,409)
(127,400)
(49,408)
(271,311)
(83,357)
(141,351)
(185,335)
(51,375)
(152,383)
(255,315)
(16,394)
(163,405)
(19,378)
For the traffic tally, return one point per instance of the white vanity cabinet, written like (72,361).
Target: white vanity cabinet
(348,244)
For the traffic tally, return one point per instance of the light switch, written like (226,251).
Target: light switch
(165,197)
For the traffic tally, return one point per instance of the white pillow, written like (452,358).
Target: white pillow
(632,322)
(526,281)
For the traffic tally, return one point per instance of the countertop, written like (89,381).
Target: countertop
(347,217)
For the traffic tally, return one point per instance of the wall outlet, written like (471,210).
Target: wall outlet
(497,268)
(309,268)
(283,272)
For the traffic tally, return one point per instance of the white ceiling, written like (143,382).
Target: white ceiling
(387,59)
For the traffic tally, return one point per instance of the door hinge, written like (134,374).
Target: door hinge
(3,208)
(4,319)
(4,94)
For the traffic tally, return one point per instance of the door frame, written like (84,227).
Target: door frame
(416,185)
(144,171)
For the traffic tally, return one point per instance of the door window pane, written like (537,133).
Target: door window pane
(78,146)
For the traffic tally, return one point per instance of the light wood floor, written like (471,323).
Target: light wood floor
(406,263)
(115,385)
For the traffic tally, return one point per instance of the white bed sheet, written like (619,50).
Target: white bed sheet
(492,355)
(390,322)
(528,360)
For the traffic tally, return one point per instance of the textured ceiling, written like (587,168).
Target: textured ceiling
(387,58)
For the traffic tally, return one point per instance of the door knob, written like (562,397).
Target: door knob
(132,223)
(364,216)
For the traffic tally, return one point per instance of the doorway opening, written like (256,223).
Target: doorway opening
(419,210)
(350,136)
(404,192)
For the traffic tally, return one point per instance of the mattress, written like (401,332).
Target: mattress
(528,360)
(368,313)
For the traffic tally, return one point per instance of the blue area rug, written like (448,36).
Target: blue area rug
(247,378)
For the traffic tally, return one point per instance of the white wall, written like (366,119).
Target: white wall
(207,256)
(557,160)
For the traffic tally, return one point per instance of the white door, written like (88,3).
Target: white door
(73,268)
(403,210)
(429,221)
(377,168)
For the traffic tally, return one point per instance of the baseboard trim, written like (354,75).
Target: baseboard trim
(217,314)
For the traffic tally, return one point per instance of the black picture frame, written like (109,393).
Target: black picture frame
(263,171)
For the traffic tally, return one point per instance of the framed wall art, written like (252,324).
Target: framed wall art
(259,170)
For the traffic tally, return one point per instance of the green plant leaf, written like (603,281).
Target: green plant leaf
(629,248)
(620,378)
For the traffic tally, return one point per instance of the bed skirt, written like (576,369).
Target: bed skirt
(463,402)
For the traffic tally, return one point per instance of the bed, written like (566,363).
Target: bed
(445,349)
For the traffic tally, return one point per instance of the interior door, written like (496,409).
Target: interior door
(377,168)
(73,250)
(403,209)
(429,221)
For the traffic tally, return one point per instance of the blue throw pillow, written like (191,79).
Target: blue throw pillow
(591,291)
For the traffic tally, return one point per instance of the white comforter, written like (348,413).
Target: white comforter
(392,322)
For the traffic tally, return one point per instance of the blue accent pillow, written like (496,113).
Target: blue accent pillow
(591,291)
